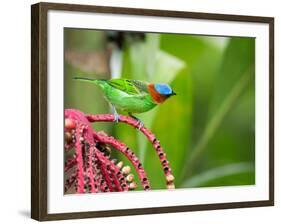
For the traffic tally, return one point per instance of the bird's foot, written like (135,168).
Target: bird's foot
(116,117)
(140,123)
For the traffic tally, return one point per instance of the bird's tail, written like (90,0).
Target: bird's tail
(90,80)
(83,79)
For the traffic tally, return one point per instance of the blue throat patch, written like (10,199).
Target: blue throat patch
(163,89)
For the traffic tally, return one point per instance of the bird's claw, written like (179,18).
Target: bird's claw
(116,115)
(116,118)
(140,124)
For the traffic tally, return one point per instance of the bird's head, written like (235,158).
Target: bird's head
(160,92)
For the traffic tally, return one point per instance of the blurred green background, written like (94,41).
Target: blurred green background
(207,130)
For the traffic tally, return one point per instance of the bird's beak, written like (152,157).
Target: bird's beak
(173,93)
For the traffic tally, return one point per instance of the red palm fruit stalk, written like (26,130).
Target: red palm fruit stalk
(151,137)
(129,154)
(70,163)
(76,124)
(117,178)
(79,160)
(93,171)
(90,169)
(69,182)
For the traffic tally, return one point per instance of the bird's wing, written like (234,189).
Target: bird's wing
(131,87)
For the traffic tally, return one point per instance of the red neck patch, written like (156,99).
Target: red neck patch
(157,97)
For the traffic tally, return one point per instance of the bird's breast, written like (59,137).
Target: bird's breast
(157,97)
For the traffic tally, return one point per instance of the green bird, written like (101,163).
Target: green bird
(132,96)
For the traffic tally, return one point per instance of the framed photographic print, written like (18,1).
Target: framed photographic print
(138,111)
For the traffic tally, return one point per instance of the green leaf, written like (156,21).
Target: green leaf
(218,173)
(238,59)
(223,141)
(202,55)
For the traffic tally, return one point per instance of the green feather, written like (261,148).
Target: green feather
(83,79)
(127,95)
(131,87)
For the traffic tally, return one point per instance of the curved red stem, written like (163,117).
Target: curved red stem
(79,161)
(151,137)
(121,147)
